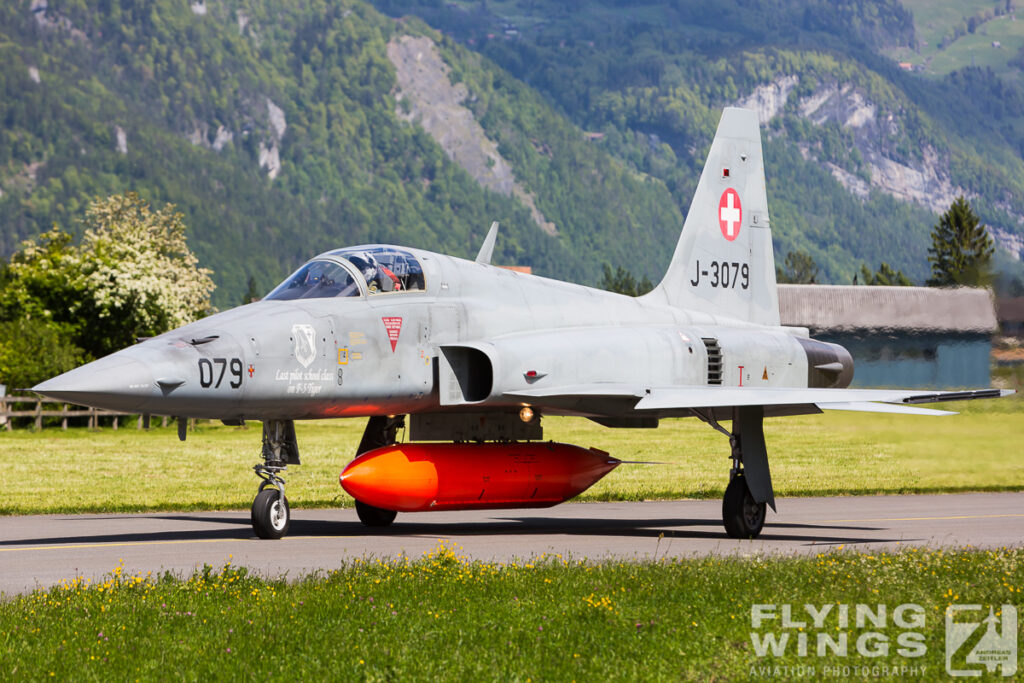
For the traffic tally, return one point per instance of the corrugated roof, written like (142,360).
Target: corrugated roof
(917,309)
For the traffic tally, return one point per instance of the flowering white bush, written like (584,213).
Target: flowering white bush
(136,261)
(133,276)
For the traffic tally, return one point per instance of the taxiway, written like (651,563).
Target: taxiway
(40,551)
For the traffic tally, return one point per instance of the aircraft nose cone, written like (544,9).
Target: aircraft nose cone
(116,382)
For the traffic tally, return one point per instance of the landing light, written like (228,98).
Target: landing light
(526,414)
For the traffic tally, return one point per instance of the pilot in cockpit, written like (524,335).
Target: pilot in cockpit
(378,277)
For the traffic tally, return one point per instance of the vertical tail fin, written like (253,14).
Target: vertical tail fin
(724,263)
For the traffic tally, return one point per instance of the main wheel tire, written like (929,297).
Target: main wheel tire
(374,516)
(271,516)
(742,515)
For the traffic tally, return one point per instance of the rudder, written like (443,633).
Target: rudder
(724,263)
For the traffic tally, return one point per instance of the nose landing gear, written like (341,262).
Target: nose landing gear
(271,515)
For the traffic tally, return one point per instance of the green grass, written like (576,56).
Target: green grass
(835,453)
(933,19)
(441,617)
(976,49)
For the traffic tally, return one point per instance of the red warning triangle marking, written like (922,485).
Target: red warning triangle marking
(394,328)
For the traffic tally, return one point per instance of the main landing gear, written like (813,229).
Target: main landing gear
(742,515)
(380,431)
(749,493)
(271,516)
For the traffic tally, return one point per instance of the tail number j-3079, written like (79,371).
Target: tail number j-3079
(722,275)
(212,371)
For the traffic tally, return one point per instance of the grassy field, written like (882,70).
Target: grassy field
(976,49)
(441,617)
(835,453)
(934,19)
(444,617)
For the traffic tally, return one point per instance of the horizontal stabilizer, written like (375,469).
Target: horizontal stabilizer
(869,407)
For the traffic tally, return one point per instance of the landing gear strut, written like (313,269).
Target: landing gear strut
(380,431)
(271,515)
(749,493)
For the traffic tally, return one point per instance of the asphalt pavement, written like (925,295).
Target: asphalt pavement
(40,551)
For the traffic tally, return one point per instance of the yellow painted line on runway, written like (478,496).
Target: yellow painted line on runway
(81,546)
(918,519)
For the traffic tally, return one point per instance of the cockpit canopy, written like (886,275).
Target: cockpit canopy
(318,279)
(382,269)
(385,269)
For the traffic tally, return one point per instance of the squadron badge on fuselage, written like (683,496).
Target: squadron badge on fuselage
(305,344)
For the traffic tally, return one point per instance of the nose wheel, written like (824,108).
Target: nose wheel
(271,516)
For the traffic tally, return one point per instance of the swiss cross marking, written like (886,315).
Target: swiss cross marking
(730,214)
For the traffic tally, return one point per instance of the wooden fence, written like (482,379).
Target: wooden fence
(15,407)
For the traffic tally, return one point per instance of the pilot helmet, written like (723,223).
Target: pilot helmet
(364,262)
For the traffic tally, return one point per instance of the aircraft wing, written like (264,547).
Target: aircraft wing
(681,398)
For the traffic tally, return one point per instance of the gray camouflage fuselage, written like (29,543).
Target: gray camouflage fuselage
(462,347)
(565,334)
(378,330)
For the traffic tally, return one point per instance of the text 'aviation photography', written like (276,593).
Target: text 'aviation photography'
(364,340)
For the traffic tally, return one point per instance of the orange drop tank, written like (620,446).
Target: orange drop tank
(415,477)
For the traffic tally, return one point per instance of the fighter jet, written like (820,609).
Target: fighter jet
(474,356)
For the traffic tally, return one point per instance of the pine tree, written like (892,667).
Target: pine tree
(252,292)
(800,269)
(961,251)
(622,281)
(886,275)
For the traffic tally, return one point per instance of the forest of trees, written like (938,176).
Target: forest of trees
(351,171)
(192,96)
(652,77)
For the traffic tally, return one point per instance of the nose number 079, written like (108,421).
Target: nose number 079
(212,371)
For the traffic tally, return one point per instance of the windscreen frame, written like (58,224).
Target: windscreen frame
(356,277)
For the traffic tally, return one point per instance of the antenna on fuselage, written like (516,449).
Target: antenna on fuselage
(487,249)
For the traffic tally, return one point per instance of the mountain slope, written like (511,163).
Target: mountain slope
(283,129)
(275,129)
(861,153)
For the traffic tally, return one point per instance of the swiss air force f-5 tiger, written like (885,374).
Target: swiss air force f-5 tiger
(473,355)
